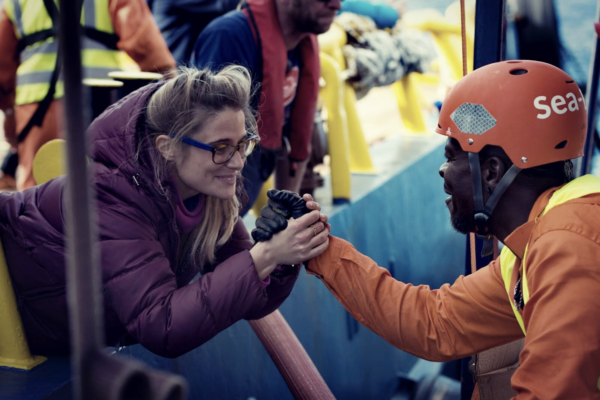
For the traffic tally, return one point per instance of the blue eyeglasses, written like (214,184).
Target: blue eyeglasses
(222,153)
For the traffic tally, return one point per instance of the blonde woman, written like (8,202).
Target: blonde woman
(177,263)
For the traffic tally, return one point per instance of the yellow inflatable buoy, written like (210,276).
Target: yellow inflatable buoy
(49,161)
(14,350)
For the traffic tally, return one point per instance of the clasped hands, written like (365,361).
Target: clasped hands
(289,231)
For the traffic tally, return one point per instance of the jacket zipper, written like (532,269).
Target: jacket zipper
(137,181)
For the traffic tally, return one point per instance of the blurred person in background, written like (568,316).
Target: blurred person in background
(30,72)
(181,21)
(276,40)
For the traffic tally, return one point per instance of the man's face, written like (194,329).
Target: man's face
(314,16)
(457,183)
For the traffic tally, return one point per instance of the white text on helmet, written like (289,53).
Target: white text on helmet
(558,103)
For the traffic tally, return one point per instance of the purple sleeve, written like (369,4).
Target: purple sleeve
(169,321)
(277,290)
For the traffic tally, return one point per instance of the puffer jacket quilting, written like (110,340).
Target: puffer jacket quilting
(144,296)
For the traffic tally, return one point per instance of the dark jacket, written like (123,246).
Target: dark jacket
(181,21)
(145,294)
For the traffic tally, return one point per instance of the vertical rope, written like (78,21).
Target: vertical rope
(473,252)
(463,31)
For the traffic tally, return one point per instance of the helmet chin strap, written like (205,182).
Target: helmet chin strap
(484,212)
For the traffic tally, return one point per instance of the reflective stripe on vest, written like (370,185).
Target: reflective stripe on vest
(51,47)
(45,76)
(37,61)
(580,187)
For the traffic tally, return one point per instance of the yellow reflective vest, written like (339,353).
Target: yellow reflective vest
(38,45)
(575,189)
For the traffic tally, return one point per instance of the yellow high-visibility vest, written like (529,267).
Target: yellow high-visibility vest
(38,44)
(580,187)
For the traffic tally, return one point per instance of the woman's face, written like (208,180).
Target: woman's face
(195,171)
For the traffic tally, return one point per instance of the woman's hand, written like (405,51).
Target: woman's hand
(304,238)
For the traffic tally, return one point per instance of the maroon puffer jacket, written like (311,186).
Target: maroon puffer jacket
(145,294)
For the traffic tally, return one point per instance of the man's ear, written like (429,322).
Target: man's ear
(492,171)
(163,144)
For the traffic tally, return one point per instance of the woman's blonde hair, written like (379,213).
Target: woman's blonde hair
(183,106)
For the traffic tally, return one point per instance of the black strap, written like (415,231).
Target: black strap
(475,166)
(504,183)
(483,212)
(38,116)
(40,36)
(109,40)
(52,10)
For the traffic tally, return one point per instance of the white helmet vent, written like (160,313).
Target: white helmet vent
(473,118)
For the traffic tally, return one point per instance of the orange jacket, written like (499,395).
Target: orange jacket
(561,357)
(139,37)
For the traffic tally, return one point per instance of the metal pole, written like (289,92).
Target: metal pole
(489,37)
(583,166)
(83,274)
(489,44)
(96,375)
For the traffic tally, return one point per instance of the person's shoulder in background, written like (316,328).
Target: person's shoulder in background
(226,40)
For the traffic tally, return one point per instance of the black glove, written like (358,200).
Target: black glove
(268,223)
(287,203)
(283,204)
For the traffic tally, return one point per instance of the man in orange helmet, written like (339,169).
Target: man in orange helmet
(512,129)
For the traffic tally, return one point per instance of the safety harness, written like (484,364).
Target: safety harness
(108,40)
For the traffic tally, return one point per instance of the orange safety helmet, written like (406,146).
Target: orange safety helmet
(534,111)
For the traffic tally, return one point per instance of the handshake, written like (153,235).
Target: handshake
(279,242)
(283,205)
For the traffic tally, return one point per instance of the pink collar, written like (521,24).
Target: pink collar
(186,219)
